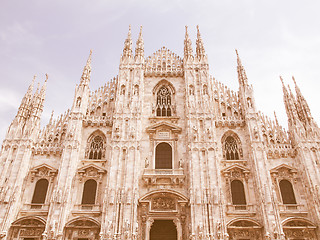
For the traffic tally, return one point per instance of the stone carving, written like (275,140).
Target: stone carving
(163,204)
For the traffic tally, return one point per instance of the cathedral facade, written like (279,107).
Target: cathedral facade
(162,151)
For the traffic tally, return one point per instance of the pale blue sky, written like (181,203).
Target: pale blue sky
(273,38)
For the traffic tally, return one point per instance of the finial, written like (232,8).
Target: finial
(238,58)
(275,117)
(127,50)
(188,53)
(51,117)
(47,76)
(242,76)
(281,79)
(294,80)
(200,46)
(139,53)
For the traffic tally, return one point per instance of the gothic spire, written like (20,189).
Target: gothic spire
(139,54)
(85,78)
(242,76)
(289,104)
(127,50)
(188,53)
(302,103)
(200,52)
(30,88)
(275,118)
(44,88)
(24,108)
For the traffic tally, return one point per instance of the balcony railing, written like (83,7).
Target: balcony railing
(292,208)
(35,207)
(87,207)
(163,171)
(163,176)
(241,209)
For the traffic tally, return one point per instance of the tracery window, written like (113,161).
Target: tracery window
(238,194)
(96,148)
(89,192)
(164,105)
(287,192)
(163,156)
(40,191)
(231,149)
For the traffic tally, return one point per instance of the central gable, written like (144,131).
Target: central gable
(164,63)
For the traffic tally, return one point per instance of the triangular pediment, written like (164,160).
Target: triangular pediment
(163,126)
(91,167)
(235,167)
(43,167)
(283,167)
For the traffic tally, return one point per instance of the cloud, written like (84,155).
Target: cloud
(18,33)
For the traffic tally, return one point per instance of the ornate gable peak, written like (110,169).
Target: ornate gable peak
(43,167)
(43,171)
(285,166)
(235,167)
(91,166)
(164,63)
(91,171)
(164,125)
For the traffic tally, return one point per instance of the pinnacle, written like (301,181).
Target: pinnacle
(187,45)
(200,48)
(127,50)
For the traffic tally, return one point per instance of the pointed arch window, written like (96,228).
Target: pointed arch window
(164,105)
(287,192)
(231,149)
(96,148)
(40,192)
(238,194)
(89,192)
(163,156)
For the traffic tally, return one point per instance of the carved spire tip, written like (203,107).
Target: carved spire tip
(281,79)
(294,80)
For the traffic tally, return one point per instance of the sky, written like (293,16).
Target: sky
(273,38)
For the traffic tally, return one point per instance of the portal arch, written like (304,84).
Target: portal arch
(163,207)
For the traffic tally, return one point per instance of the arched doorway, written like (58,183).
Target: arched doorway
(299,228)
(248,229)
(27,229)
(162,215)
(163,230)
(82,229)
